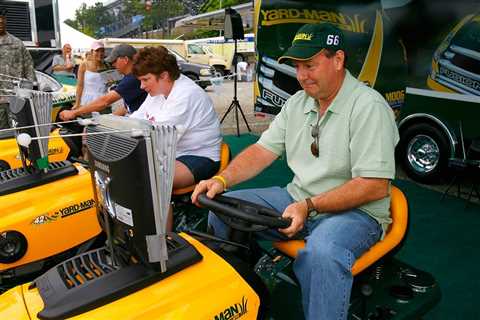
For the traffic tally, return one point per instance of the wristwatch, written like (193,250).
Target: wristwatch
(311,211)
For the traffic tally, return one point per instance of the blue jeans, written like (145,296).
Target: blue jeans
(323,267)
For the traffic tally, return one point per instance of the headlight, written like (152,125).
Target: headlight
(13,246)
(205,72)
(103,194)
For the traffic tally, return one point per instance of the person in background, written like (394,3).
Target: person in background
(15,61)
(242,70)
(128,88)
(175,99)
(63,64)
(90,84)
(339,137)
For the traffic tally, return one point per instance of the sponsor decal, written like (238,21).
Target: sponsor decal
(55,150)
(45,218)
(102,166)
(51,151)
(64,212)
(303,36)
(233,312)
(395,98)
(457,77)
(273,98)
(346,22)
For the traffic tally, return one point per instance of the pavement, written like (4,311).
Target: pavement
(222,96)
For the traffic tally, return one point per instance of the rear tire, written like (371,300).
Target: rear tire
(423,152)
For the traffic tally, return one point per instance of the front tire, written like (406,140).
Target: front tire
(424,151)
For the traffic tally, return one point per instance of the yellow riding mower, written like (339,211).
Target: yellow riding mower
(58,150)
(47,209)
(63,96)
(144,273)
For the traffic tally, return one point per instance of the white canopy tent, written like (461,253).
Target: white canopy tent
(79,41)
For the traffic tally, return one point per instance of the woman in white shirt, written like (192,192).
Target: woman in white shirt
(91,84)
(175,99)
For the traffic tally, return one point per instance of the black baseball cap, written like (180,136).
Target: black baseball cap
(121,50)
(310,39)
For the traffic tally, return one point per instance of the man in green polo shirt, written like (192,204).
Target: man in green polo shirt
(339,138)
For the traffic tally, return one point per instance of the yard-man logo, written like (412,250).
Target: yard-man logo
(280,16)
(54,150)
(51,151)
(233,312)
(64,212)
(303,36)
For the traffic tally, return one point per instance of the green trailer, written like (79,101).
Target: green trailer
(422,56)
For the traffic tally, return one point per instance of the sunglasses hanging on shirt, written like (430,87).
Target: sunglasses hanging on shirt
(316,137)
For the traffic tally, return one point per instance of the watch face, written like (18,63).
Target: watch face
(311,209)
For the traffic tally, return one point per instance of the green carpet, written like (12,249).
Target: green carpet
(442,238)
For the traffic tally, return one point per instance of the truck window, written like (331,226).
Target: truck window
(195,49)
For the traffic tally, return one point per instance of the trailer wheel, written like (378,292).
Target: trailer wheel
(424,152)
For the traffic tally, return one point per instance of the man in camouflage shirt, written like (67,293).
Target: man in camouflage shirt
(15,61)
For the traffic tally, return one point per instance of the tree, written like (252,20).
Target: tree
(161,11)
(133,7)
(212,5)
(71,23)
(90,20)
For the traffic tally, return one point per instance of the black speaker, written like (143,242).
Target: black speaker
(233,28)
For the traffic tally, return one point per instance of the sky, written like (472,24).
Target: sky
(67,8)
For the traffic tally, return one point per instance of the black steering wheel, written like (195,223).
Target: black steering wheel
(243,215)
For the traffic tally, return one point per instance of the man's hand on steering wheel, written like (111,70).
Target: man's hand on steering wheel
(297,212)
(211,187)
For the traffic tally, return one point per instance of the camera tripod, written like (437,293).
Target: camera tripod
(235,105)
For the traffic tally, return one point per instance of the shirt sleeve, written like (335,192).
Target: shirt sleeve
(374,135)
(28,67)
(141,113)
(128,88)
(123,86)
